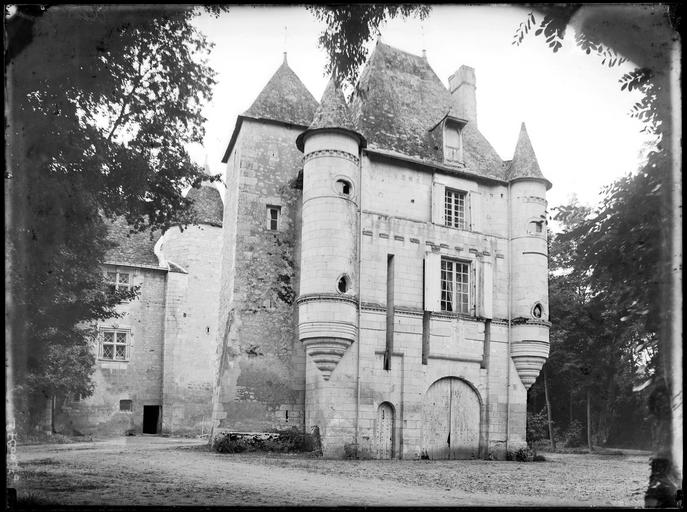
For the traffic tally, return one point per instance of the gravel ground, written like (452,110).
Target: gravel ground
(165,471)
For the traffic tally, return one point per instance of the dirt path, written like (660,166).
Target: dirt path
(159,471)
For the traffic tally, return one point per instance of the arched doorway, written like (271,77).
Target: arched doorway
(450,420)
(384,431)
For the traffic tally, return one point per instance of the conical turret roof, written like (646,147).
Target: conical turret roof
(333,113)
(524,163)
(284,99)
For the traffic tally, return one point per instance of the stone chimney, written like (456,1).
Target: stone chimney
(462,85)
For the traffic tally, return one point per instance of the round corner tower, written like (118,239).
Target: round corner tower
(529,256)
(328,300)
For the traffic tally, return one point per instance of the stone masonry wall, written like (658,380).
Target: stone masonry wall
(261,377)
(191,328)
(397,219)
(139,379)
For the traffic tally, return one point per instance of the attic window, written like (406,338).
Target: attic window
(453,142)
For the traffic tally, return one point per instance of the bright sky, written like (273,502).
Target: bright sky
(576,115)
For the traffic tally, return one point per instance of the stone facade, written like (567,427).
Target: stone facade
(360,341)
(161,381)
(377,273)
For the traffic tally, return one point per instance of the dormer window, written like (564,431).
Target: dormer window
(453,142)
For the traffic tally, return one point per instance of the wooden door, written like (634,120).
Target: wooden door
(385,431)
(465,416)
(436,427)
(450,420)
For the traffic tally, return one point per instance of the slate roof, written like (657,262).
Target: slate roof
(524,163)
(132,248)
(399,105)
(207,204)
(284,99)
(333,113)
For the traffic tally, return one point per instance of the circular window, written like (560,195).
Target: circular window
(537,310)
(344,187)
(343,284)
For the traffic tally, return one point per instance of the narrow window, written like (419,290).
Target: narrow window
(454,208)
(273,214)
(455,286)
(125,405)
(536,226)
(537,311)
(343,284)
(343,187)
(389,311)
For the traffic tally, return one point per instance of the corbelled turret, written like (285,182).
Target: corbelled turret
(328,287)
(529,300)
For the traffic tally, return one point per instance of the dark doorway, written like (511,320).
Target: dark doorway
(151,415)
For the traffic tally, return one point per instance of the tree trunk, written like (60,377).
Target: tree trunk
(548,411)
(52,415)
(571,406)
(589,419)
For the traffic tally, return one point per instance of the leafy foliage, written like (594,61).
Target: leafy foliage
(350,27)
(553,27)
(103,103)
(537,426)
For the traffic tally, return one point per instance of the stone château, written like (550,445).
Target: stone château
(379,272)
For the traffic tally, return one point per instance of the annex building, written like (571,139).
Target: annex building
(378,272)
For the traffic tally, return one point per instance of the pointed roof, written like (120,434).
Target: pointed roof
(399,104)
(332,114)
(207,205)
(524,163)
(284,99)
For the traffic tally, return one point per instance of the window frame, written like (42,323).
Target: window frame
(101,344)
(446,302)
(450,220)
(457,151)
(277,220)
(116,283)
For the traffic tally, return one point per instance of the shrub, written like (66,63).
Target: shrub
(573,435)
(525,454)
(537,426)
(275,441)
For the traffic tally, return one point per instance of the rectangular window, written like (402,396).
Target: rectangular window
(125,405)
(273,213)
(455,286)
(454,208)
(114,345)
(453,144)
(118,280)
